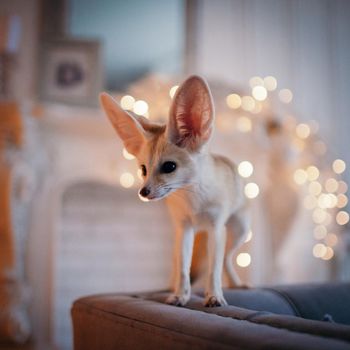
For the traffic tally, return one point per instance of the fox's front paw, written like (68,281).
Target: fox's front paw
(177,300)
(214,301)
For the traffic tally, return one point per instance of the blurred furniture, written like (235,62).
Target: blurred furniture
(313,316)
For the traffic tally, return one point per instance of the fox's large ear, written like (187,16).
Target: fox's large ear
(191,114)
(128,128)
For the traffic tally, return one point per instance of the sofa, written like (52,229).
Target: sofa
(309,316)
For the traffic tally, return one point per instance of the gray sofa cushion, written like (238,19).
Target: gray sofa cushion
(145,322)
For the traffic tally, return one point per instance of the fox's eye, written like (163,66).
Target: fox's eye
(143,170)
(168,167)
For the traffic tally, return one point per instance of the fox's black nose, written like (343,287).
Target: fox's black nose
(145,191)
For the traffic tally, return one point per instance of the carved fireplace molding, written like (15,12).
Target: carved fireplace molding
(74,145)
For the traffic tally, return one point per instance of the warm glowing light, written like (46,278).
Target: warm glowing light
(339,166)
(327,200)
(342,187)
(319,216)
(310,202)
(319,250)
(243,259)
(127,155)
(285,95)
(300,176)
(302,131)
(127,180)
(312,173)
(320,232)
(244,124)
(331,185)
(172,91)
(342,200)
(140,107)
(127,102)
(248,103)
(249,236)
(270,83)
(259,93)
(256,81)
(315,188)
(329,254)
(331,239)
(245,169)
(342,218)
(258,108)
(251,190)
(234,101)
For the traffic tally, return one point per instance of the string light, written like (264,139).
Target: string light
(303,131)
(300,176)
(319,250)
(243,259)
(127,102)
(127,155)
(244,124)
(312,173)
(270,83)
(248,103)
(256,81)
(251,190)
(315,188)
(342,187)
(328,254)
(331,185)
(234,101)
(342,200)
(285,95)
(319,215)
(140,107)
(259,93)
(320,232)
(339,166)
(331,239)
(320,198)
(342,218)
(127,180)
(327,200)
(245,168)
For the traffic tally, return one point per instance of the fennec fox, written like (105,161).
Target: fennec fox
(203,191)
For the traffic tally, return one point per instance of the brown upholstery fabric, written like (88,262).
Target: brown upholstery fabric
(145,322)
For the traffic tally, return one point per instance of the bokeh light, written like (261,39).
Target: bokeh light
(127,180)
(285,95)
(243,259)
(245,168)
(251,190)
(127,102)
(234,101)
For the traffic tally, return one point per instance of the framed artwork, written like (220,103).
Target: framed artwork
(71,71)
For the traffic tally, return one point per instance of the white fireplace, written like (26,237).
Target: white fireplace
(88,234)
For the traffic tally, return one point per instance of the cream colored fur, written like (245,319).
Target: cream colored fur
(203,193)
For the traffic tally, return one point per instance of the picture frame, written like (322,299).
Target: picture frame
(71,71)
